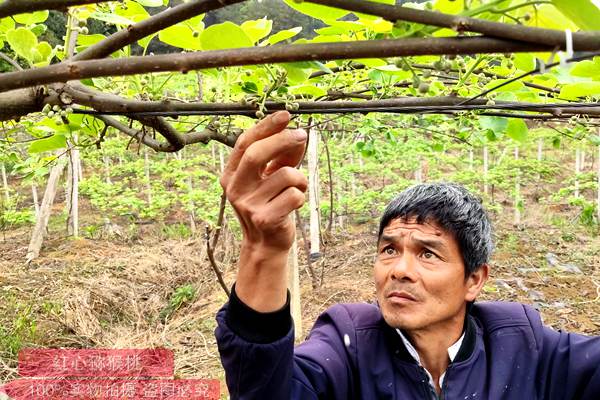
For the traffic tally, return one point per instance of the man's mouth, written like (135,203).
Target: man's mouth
(401,297)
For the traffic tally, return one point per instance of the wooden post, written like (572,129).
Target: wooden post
(5,182)
(80,169)
(213,149)
(36,203)
(68,189)
(540,149)
(73,192)
(471,159)
(221,159)
(106,169)
(147,175)
(37,236)
(294,285)
(577,169)
(419,172)
(191,204)
(313,190)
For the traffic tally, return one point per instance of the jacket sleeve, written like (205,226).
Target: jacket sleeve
(260,362)
(569,366)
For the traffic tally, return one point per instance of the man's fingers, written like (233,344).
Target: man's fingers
(288,144)
(287,201)
(272,124)
(283,159)
(280,180)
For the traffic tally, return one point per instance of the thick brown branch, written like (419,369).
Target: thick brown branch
(175,139)
(401,104)
(147,27)
(13,7)
(104,102)
(20,102)
(136,134)
(191,138)
(549,37)
(185,62)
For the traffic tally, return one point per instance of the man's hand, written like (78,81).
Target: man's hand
(264,187)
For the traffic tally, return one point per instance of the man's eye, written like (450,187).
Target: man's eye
(389,250)
(429,255)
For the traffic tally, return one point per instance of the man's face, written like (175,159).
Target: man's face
(420,276)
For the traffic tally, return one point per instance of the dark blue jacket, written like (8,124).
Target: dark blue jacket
(507,353)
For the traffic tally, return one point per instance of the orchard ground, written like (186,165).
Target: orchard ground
(116,292)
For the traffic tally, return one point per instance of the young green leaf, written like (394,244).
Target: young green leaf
(224,36)
(23,42)
(57,141)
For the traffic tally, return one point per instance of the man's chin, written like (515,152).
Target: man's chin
(399,319)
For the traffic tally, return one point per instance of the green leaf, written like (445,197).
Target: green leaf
(44,54)
(378,25)
(525,61)
(497,125)
(556,142)
(296,74)
(580,89)
(584,13)
(112,18)
(282,35)
(23,42)
(249,87)
(6,24)
(132,11)
(151,3)
(89,40)
(38,30)
(181,36)
(517,129)
(257,29)
(438,147)
(310,90)
(587,69)
(31,18)
(317,11)
(449,6)
(549,17)
(145,42)
(595,140)
(224,36)
(48,144)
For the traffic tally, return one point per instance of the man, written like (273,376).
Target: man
(425,339)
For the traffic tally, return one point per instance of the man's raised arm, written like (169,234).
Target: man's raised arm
(255,331)
(264,187)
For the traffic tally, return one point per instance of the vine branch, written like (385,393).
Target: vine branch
(76,70)
(521,33)
(13,7)
(149,26)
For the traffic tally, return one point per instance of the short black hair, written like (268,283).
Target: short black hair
(455,209)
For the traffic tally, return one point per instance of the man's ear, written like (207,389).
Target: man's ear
(475,282)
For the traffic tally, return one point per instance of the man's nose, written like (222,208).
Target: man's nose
(405,268)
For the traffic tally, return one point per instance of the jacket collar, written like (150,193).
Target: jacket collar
(399,349)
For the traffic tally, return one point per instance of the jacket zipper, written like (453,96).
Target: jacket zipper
(426,385)
(443,391)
